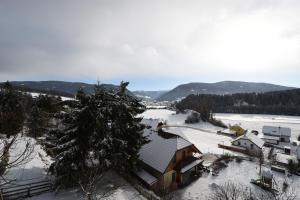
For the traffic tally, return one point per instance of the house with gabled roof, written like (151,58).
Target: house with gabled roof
(168,160)
(251,142)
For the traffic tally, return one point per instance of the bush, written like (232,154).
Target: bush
(193,118)
(238,159)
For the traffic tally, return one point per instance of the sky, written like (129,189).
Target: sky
(155,45)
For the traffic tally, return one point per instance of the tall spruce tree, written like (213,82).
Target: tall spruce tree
(37,121)
(101,131)
(72,142)
(11,110)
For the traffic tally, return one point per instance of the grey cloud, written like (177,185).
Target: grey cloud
(114,39)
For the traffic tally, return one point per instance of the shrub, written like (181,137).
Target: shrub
(193,118)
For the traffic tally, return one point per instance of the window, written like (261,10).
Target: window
(174,177)
(183,154)
(251,145)
(239,143)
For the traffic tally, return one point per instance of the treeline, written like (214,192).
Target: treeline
(277,103)
(41,91)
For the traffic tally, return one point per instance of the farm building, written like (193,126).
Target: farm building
(250,142)
(167,161)
(284,159)
(282,133)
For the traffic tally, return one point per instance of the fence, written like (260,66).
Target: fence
(25,190)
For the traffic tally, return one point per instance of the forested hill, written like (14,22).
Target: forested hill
(219,88)
(61,88)
(278,103)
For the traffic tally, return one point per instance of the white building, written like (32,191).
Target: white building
(282,133)
(251,142)
(284,159)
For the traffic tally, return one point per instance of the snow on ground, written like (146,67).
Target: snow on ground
(34,94)
(35,166)
(256,121)
(203,135)
(35,169)
(239,173)
(111,187)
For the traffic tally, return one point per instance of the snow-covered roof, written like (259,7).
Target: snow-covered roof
(159,151)
(253,138)
(190,166)
(267,174)
(284,158)
(145,176)
(277,131)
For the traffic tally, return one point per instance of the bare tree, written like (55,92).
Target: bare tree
(9,160)
(227,191)
(234,191)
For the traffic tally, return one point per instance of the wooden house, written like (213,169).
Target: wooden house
(168,161)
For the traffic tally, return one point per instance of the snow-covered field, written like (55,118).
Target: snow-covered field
(204,135)
(34,94)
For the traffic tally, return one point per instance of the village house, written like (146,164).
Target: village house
(250,142)
(167,161)
(273,134)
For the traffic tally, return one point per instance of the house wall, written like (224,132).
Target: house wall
(168,178)
(247,144)
(179,155)
(285,138)
(282,138)
(270,141)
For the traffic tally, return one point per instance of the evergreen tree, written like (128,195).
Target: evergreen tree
(37,122)
(72,143)
(11,110)
(125,137)
(100,131)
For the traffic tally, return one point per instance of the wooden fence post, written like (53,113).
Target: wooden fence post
(28,191)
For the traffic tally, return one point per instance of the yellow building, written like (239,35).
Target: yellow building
(238,129)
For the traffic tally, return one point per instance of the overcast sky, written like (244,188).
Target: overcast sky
(153,44)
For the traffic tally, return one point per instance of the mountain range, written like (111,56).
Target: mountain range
(64,88)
